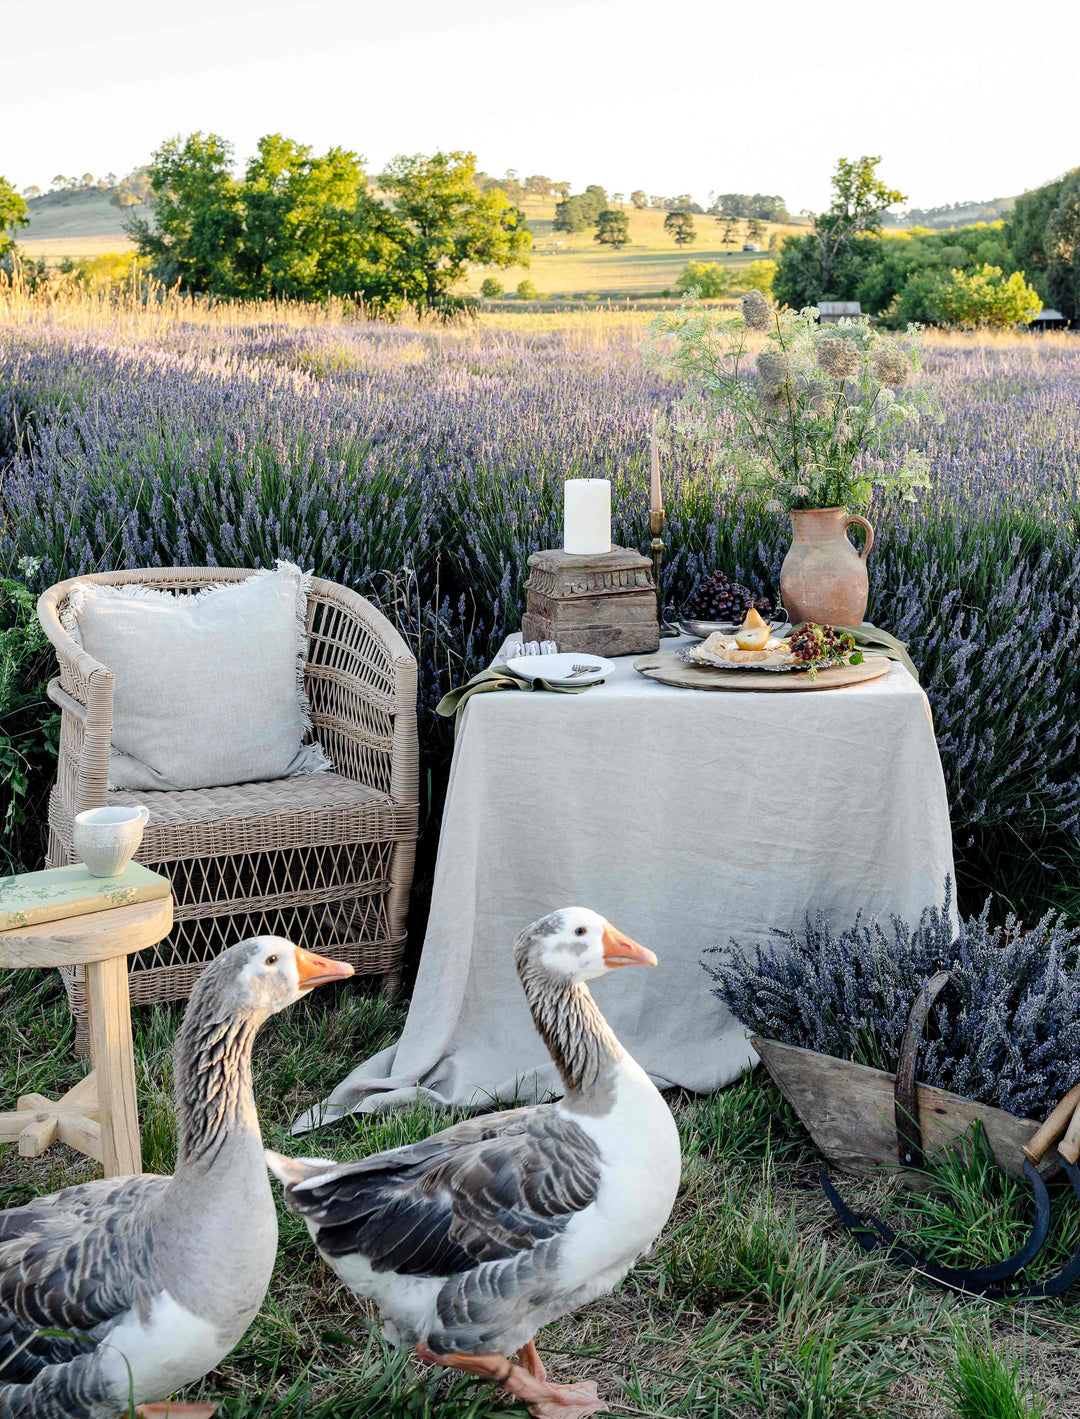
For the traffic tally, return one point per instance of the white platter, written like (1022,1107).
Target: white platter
(557,669)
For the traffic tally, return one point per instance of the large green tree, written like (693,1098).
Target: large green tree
(305,226)
(197,228)
(680,226)
(1063,250)
(13,214)
(612,228)
(443,223)
(828,264)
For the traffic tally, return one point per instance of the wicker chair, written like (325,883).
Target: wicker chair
(325,859)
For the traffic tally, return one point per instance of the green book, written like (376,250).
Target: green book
(61,892)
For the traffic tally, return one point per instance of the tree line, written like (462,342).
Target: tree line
(997,273)
(303,226)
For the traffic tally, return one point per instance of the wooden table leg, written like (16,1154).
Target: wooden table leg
(113,1059)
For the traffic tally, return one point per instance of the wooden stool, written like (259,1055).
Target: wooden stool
(100,1116)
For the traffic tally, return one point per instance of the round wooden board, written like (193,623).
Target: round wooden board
(669,669)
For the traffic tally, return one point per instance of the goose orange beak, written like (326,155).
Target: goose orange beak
(317,970)
(619,950)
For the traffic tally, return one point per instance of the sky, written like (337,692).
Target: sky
(958,99)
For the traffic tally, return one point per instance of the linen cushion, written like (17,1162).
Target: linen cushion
(208,686)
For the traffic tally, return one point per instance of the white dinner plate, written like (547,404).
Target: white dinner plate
(557,669)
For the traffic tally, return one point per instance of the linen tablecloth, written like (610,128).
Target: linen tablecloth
(684,817)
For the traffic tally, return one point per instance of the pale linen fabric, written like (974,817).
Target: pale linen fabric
(684,817)
(208,687)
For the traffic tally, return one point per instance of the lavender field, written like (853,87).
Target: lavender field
(422,465)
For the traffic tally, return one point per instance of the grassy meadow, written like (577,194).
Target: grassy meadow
(421,464)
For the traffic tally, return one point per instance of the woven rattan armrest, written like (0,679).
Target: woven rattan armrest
(84,693)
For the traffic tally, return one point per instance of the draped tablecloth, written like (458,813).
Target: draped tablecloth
(684,817)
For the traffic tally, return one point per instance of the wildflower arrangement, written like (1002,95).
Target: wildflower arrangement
(812,428)
(1007,1034)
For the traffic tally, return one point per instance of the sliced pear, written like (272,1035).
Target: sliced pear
(753,634)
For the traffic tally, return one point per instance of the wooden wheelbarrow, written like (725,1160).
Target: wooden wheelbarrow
(1003,1280)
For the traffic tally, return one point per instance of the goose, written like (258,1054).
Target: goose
(472,1240)
(127,1289)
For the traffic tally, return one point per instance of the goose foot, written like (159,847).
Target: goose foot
(175,1409)
(543,1399)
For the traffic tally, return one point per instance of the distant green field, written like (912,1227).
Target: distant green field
(564,265)
(74,224)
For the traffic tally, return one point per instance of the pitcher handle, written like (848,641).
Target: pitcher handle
(854,517)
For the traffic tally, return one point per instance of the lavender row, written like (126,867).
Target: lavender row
(423,467)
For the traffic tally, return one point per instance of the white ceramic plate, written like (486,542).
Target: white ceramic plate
(557,669)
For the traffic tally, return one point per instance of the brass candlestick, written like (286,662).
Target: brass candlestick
(656,548)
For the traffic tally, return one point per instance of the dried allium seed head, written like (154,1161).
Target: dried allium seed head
(839,357)
(891,364)
(756,311)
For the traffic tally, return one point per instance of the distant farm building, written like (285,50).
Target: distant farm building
(1047,319)
(751,246)
(829,312)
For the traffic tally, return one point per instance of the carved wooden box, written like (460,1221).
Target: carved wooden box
(602,603)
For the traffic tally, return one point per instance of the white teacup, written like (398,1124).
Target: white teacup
(108,838)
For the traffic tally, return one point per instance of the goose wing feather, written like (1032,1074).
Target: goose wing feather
(72,1261)
(483,1190)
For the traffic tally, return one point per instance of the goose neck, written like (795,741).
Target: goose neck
(578,1038)
(214,1097)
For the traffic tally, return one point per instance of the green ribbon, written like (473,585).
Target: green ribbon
(495,677)
(871,638)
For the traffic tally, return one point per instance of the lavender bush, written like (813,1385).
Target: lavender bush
(422,467)
(1007,1034)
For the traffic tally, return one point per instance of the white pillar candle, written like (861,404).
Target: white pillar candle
(587,515)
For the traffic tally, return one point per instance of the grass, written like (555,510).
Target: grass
(751,1304)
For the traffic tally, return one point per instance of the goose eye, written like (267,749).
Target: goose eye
(580,930)
(270,961)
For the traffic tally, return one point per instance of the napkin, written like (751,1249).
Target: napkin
(495,678)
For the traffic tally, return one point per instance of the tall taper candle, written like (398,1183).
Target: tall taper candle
(656,501)
(587,515)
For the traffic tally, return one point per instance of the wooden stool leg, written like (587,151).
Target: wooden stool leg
(113,1058)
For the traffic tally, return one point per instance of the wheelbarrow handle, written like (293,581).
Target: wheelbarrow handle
(1069,1147)
(1057,1123)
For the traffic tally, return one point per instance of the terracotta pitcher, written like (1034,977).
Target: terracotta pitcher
(823,578)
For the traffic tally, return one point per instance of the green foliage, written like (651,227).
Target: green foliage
(759,276)
(29,733)
(812,429)
(639,200)
(301,226)
(1063,250)
(680,226)
(708,278)
(526,291)
(1027,229)
(13,213)
(491,288)
(987,297)
(569,216)
(759,206)
(830,262)
(613,228)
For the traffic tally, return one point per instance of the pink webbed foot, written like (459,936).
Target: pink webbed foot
(543,1399)
(175,1409)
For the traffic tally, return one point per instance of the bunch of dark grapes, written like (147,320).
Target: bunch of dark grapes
(719,599)
(814,644)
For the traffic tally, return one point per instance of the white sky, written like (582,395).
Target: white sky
(680,96)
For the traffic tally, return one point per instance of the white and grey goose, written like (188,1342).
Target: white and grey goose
(472,1240)
(156,1279)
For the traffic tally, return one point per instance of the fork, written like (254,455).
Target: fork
(576,670)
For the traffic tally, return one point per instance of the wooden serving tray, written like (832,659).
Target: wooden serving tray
(667,667)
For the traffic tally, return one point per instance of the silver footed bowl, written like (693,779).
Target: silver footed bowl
(778,626)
